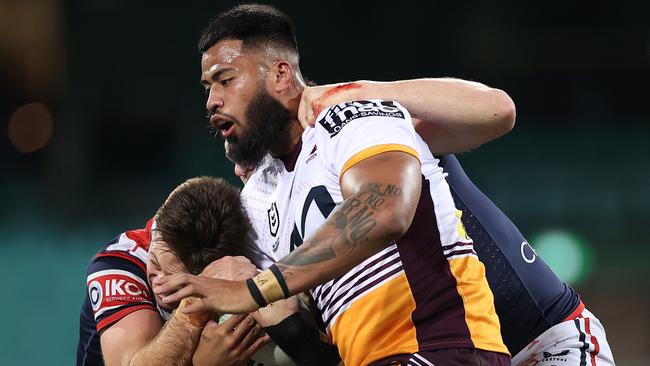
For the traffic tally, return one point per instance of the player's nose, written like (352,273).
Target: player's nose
(214,101)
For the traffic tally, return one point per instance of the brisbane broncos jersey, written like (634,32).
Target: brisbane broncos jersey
(116,286)
(427,290)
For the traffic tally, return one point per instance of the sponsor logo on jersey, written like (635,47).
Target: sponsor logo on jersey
(557,357)
(274,219)
(528,253)
(340,115)
(111,289)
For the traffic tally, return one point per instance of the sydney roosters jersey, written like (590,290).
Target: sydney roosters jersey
(424,291)
(116,285)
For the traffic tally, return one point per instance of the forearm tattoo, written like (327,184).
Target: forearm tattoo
(351,225)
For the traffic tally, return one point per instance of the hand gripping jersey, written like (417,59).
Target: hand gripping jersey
(116,286)
(425,291)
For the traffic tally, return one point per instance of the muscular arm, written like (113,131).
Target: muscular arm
(451,115)
(380,197)
(140,339)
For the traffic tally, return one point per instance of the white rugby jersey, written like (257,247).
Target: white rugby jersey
(427,290)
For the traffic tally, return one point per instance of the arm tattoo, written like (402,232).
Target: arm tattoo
(349,226)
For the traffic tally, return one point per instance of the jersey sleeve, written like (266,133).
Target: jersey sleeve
(351,132)
(116,287)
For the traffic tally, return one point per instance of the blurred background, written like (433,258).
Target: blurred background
(101,115)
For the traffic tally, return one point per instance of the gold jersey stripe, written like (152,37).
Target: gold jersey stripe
(373,328)
(480,316)
(374,150)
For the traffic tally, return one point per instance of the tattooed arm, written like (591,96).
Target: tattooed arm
(380,195)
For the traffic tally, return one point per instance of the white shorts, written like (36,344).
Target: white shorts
(577,341)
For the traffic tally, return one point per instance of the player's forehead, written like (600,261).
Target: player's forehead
(225,55)
(162,254)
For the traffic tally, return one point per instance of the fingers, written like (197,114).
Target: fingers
(276,312)
(208,330)
(197,306)
(257,344)
(179,295)
(230,268)
(176,287)
(249,338)
(244,327)
(234,320)
(166,283)
(239,336)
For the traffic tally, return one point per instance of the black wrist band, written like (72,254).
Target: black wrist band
(281,281)
(255,292)
(302,342)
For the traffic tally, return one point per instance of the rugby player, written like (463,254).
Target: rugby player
(121,319)
(361,213)
(542,319)
(533,303)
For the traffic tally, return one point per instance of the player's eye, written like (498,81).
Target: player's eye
(206,91)
(225,82)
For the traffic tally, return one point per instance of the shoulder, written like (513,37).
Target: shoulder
(116,281)
(131,245)
(333,119)
(365,127)
(113,283)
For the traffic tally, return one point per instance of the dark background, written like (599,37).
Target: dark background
(116,82)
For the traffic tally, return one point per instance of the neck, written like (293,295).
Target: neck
(295,128)
(295,134)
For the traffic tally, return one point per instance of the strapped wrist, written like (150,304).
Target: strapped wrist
(197,319)
(268,286)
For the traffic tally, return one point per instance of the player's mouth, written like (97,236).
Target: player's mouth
(223,124)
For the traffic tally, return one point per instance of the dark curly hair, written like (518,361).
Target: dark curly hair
(203,220)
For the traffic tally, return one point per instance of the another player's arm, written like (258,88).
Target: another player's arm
(281,321)
(451,115)
(297,337)
(380,197)
(141,339)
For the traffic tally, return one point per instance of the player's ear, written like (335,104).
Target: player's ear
(281,76)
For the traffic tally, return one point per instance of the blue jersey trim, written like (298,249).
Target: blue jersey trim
(529,297)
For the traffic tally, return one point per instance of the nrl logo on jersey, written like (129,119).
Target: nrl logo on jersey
(274,219)
(341,114)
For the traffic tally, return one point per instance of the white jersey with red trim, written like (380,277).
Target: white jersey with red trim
(580,340)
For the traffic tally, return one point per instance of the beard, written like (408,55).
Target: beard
(268,130)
